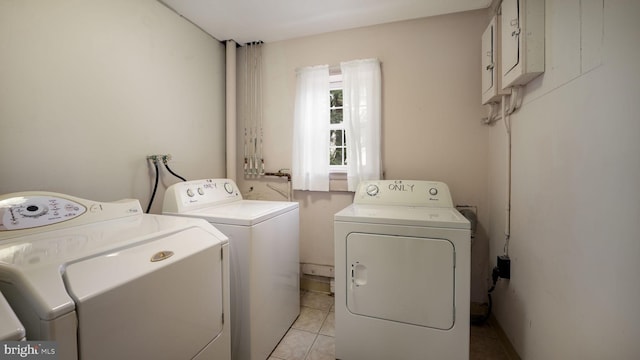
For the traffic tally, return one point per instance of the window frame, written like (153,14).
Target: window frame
(335,83)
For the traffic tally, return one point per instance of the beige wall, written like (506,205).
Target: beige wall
(575,245)
(89,88)
(431,117)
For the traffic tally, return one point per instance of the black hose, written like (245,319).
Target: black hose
(495,275)
(172,173)
(155,186)
(487,314)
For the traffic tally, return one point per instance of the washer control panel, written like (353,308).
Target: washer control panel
(403,192)
(196,194)
(36,211)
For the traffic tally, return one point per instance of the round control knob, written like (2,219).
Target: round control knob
(372,190)
(228,188)
(433,191)
(34,210)
(200,191)
(190,192)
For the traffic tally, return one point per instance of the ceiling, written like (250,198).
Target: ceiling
(272,20)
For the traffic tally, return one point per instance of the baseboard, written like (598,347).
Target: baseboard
(315,283)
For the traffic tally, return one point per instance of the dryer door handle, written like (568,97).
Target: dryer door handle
(358,274)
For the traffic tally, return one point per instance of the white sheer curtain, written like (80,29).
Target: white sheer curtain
(361,81)
(310,165)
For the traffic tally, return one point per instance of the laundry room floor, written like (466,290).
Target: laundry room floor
(311,337)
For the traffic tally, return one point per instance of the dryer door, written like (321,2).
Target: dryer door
(403,279)
(158,300)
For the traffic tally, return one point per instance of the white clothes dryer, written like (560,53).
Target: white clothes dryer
(105,281)
(265,269)
(402,260)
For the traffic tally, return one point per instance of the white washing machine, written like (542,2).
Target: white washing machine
(265,269)
(11,328)
(105,281)
(402,261)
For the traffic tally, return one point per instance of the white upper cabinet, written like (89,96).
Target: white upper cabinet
(522,48)
(491,88)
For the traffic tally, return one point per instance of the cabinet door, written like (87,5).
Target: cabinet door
(402,279)
(488,66)
(510,35)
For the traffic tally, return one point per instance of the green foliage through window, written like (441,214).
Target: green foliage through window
(337,136)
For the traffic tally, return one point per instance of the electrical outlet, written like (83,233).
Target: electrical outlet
(504,266)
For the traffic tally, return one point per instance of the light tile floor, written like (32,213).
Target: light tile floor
(311,337)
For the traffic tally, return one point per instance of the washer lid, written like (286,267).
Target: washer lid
(167,289)
(403,215)
(33,263)
(243,213)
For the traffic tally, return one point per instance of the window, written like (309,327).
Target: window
(349,118)
(337,133)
